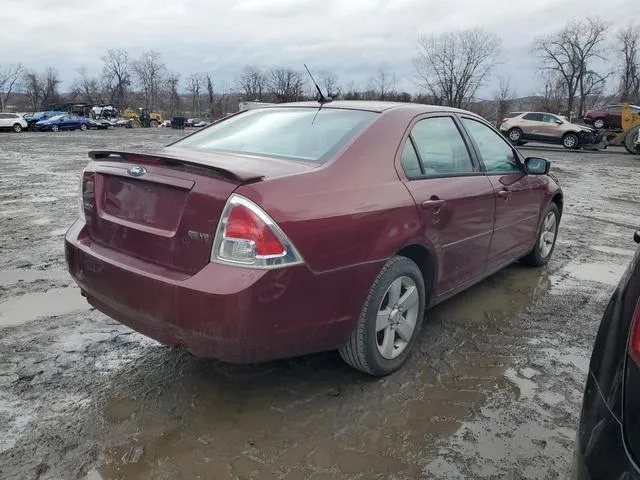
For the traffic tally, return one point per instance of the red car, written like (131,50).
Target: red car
(609,116)
(302,227)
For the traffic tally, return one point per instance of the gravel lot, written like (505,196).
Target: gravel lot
(493,390)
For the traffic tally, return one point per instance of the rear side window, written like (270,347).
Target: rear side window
(534,117)
(441,148)
(410,161)
(614,109)
(298,133)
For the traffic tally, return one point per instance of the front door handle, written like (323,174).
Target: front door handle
(504,194)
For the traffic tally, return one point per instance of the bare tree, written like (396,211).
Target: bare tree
(151,74)
(116,75)
(195,84)
(210,96)
(32,86)
(569,53)
(383,84)
(87,87)
(50,82)
(253,82)
(453,66)
(172,81)
(628,41)
(553,94)
(9,77)
(285,84)
(329,83)
(504,97)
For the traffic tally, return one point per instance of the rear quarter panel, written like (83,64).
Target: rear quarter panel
(352,210)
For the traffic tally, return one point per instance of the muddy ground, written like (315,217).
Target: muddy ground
(493,390)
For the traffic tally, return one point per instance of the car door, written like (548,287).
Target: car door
(614,116)
(4,120)
(454,198)
(549,129)
(531,126)
(518,196)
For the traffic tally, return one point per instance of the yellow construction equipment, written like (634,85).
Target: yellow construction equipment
(630,134)
(139,118)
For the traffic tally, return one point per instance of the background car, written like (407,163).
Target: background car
(609,116)
(64,122)
(13,122)
(296,229)
(608,440)
(548,128)
(40,116)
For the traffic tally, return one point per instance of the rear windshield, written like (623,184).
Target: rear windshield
(298,133)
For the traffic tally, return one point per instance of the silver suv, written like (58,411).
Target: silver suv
(547,128)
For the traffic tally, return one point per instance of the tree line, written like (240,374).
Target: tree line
(575,64)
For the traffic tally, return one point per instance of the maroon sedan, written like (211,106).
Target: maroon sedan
(294,229)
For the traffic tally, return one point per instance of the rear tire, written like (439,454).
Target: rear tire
(571,141)
(514,135)
(83,127)
(390,320)
(545,239)
(630,141)
(154,123)
(17,128)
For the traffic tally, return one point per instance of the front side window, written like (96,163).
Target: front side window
(497,155)
(296,133)
(441,147)
(548,118)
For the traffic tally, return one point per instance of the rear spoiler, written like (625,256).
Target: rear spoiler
(227,165)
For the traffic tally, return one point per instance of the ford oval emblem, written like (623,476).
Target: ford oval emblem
(137,171)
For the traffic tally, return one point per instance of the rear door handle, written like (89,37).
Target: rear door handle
(434,202)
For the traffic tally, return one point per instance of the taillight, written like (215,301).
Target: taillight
(246,235)
(634,345)
(87,194)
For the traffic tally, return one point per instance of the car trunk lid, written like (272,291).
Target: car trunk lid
(164,206)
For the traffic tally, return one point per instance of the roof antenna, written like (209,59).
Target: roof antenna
(322,99)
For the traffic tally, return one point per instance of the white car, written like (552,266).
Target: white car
(13,122)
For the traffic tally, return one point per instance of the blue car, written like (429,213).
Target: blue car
(34,118)
(64,122)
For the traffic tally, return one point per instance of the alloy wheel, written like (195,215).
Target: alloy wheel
(397,317)
(548,234)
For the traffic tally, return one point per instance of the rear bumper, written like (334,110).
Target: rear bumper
(600,453)
(231,313)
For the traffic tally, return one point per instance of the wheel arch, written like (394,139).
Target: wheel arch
(426,262)
(558,199)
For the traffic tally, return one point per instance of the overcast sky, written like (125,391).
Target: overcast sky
(350,37)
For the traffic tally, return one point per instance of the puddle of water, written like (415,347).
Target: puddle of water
(614,251)
(31,306)
(11,277)
(497,298)
(607,273)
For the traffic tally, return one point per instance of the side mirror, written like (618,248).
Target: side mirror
(558,122)
(537,166)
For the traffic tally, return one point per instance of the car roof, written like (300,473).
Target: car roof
(374,106)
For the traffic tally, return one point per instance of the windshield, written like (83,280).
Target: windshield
(299,133)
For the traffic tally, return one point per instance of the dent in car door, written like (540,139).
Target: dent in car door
(455,200)
(519,197)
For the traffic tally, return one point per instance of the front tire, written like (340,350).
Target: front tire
(17,128)
(571,141)
(632,141)
(83,127)
(154,124)
(55,128)
(546,238)
(390,320)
